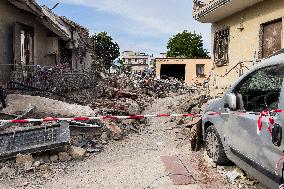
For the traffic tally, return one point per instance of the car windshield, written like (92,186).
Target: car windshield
(261,89)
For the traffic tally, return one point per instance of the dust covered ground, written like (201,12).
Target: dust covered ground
(135,161)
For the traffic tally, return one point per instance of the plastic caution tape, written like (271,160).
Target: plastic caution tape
(50,119)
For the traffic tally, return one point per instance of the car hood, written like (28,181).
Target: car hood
(215,105)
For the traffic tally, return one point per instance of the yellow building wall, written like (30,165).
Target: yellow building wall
(245,43)
(190,68)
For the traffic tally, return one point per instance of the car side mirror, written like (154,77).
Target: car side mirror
(276,135)
(230,101)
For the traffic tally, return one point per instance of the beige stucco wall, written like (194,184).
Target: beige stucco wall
(190,68)
(244,44)
(10,15)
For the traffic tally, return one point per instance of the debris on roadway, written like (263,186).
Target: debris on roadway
(114,94)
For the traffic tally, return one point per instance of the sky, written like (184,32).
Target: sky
(137,25)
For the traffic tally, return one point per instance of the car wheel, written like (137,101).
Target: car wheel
(214,146)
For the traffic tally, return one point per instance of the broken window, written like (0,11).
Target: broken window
(23,44)
(261,90)
(200,70)
(221,47)
(271,38)
(65,55)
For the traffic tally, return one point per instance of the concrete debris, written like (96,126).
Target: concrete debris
(22,159)
(235,174)
(77,152)
(44,159)
(232,176)
(44,168)
(7,172)
(46,106)
(37,164)
(114,128)
(134,109)
(23,183)
(28,166)
(64,156)
(54,158)
(104,137)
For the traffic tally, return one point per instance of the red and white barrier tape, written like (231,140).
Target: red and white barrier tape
(49,119)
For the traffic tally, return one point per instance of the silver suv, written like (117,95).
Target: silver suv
(245,126)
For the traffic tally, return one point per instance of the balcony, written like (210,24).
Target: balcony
(211,11)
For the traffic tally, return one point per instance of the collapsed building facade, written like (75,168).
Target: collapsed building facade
(33,37)
(242,33)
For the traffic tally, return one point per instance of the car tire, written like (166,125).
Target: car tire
(214,146)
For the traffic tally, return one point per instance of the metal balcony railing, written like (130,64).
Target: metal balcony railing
(46,78)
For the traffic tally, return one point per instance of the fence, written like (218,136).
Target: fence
(43,77)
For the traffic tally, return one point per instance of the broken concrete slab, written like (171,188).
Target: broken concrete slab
(21,159)
(37,164)
(77,152)
(64,156)
(7,171)
(54,158)
(45,105)
(34,139)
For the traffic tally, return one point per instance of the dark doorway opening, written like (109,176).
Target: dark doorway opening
(173,70)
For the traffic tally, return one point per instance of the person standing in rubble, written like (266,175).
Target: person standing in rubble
(3,97)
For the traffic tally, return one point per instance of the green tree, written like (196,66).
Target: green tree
(105,51)
(186,45)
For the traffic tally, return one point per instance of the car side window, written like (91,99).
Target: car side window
(260,90)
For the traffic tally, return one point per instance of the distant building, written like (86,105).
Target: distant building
(136,62)
(163,55)
(242,32)
(189,70)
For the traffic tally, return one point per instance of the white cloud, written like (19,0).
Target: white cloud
(150,17)
(161,16)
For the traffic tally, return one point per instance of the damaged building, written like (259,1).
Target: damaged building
(32,36)
(189,70)
(242,33)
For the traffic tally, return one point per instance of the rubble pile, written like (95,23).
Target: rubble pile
(110,95)
(120,91)
(141,85)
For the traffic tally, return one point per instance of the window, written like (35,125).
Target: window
(144,61)
(200,70)
(271,38)
(221,47)
(23,44)
(261,90)
(129,60)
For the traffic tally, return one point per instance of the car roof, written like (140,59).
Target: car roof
(277,59)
